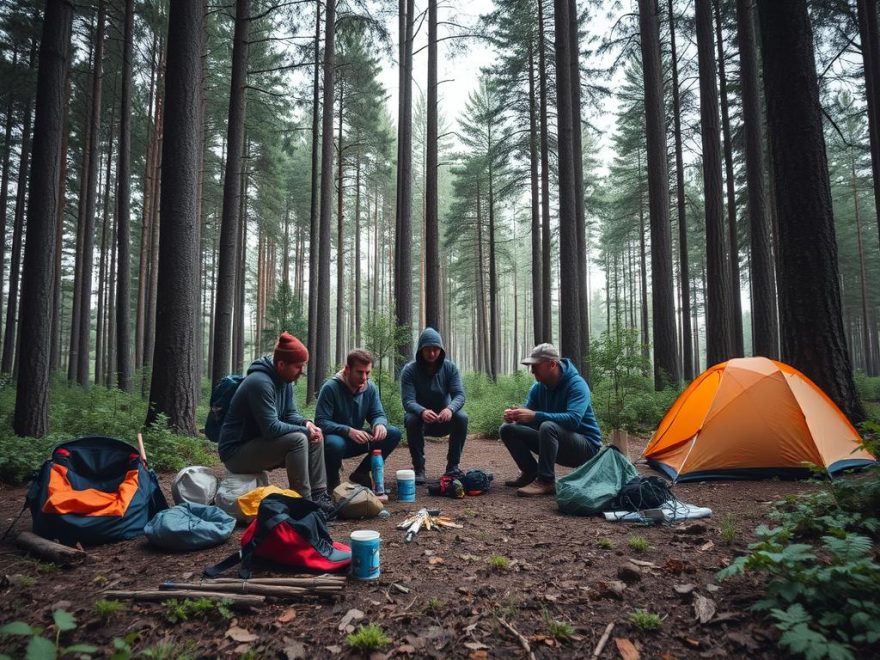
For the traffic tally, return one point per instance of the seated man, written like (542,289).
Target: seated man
(263,430)
(430,387)
(345,402)
(556,423)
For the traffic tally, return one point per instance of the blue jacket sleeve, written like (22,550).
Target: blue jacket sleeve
(261,402)
(577,400)
(456,390)
(408,390)
(376,413)
(325,410)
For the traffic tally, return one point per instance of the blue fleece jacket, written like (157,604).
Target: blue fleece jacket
(262,406)
(420,388)
(569,404)
(339,409)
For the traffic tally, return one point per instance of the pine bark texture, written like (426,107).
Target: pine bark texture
(174,384)
(813,338)
(432,221)
(32,394)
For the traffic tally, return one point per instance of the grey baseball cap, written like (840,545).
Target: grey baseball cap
(542,353)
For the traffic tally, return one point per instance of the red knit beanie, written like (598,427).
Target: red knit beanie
(290,349)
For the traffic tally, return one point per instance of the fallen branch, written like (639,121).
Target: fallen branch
(46,549)
(277,591)
(312,581)
(603,640)
(522,640)
(156,595)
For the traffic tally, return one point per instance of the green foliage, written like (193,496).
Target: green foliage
(644,620)
(284,313)
(192,608)
(43,647)
(728,528)
(560,630)
(867,387)
(105,609)
(172,650)
(605,543)
(384,339)
(486,400)
(368,638)
(434,605)
(821,594)
(498,562)
(638,543)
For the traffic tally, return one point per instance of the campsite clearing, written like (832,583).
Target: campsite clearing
(448,593)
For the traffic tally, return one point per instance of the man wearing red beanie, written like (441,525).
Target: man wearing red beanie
(263,429)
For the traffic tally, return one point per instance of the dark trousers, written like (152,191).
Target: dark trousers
(304,460)
(337,448)
(552,443)
(417,429)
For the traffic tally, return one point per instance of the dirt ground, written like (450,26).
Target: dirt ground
(439,596)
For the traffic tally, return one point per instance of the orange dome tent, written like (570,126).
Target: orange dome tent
(750,418)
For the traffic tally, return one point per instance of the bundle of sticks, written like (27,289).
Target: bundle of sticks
(240,592)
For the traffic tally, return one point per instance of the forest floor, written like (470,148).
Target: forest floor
(441,595)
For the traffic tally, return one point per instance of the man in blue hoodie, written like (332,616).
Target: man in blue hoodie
(345,402)
(556,422)
(263,430)
(430,387)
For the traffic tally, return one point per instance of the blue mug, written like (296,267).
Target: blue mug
(365,554)
(406,486)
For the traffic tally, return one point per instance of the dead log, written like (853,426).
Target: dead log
(156,595)
(45,549)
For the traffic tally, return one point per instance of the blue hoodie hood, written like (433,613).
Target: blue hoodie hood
(430,337)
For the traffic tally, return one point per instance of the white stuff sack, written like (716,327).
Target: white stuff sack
(196,484)
(236,485)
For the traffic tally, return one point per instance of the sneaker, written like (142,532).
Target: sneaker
(420,476)
(522,480)
(324,501)
(537,488)
(361,479)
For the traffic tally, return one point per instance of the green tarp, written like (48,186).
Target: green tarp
(590,488)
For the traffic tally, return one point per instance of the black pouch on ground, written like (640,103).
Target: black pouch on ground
(641,493)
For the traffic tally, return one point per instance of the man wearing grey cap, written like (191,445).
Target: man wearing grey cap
(556,422)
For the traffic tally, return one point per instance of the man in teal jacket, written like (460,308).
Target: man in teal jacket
(433,396)
(556,422)
(263,429)
(345,403)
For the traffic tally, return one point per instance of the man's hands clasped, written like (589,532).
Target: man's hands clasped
(362,437)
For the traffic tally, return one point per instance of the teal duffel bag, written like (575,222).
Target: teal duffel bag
(189,526)
(591,488)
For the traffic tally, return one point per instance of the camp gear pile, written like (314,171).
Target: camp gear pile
(355,502)
(592,487)
(189,526)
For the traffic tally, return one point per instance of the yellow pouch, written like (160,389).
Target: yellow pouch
(249,503)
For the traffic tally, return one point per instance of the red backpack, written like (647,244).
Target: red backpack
(291,532)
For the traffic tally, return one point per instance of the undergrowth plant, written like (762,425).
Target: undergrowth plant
(39,646)
(638,543)
(190,608)
(556,628)
(368,638)
(644,620)
(499,562)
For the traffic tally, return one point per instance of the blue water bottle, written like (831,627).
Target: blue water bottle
(378,472)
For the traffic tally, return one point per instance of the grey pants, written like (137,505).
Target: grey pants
(552,443)
(303,460)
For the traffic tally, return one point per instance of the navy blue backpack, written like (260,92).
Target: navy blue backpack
(221,397)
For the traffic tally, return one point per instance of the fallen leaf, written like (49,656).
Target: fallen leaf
(400,588)
(241,635)
(478,655)
(351,615)
(186,576)
(640,562)
(674,566)
(241,649)
(683,589)
(433,561)
(704,608)
(708,545)
(334,649)
(287,615)
(712,587)
(405,648)
(626,649)
(294,650)
(475,646)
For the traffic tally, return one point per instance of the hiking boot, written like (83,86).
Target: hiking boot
(361,479)
(324,501)
(420,476)
(454,471)
(537,488)
(522,480)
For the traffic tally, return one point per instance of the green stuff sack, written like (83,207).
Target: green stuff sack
(592,487)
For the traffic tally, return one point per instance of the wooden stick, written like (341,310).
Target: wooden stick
(156,595)
(245,588)
(522,640)
(46,549)
(141,449)
(316,581)
(603,640)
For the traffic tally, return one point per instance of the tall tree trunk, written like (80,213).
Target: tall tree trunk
(340,241)
(863,289)
(765,333)
(663,289)
(229,225)
(432,221)
(494,338)
(32,393)
(88,244)
(174,385)
(733,239)
(868,33)
(809,298)
(4,177)
(55,356)
(570,344)
(123,211)
(719,342)
(100,337)
(153,258)
(10,335)
(357,252)
(546,274)
(537,267)
(312,382)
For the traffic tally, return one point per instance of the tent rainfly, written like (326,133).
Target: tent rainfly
(752,418)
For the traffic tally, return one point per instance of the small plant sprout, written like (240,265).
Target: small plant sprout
(728,529)
(105,609)
(644,620)
(560,630)
(605,543)
(499,562)
(42,647)
(638,543)
(434,605)
(369,638)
